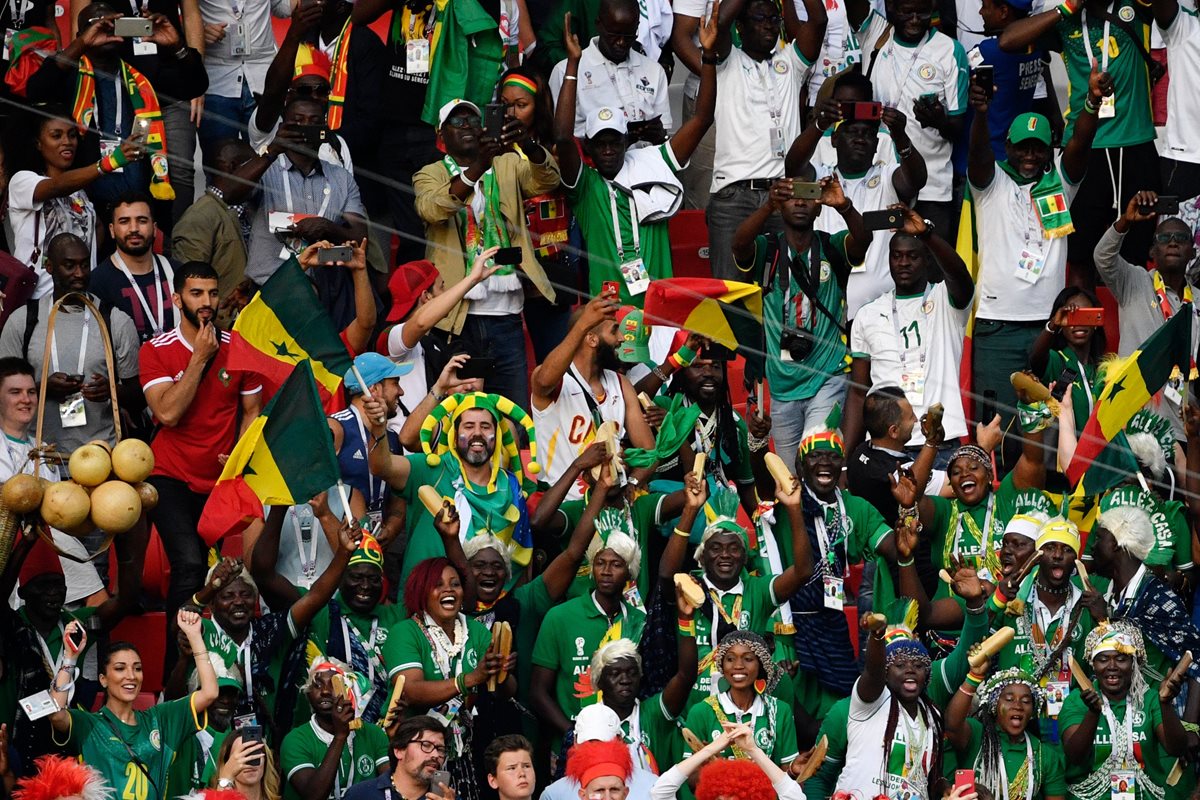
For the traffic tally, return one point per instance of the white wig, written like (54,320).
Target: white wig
(610,653)
(1132,529)
(621,544)
(473,546)
(1149,453)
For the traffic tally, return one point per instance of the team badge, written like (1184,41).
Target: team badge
(1126,14)
(926,72)
(781,66)
(873,182)
(604,114)
(927,307)
(826,271)
(156,739)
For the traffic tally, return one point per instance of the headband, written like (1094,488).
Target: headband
(973,453)
(987,697)
(757,645)
(521,82)
(824,440)
(1119,636)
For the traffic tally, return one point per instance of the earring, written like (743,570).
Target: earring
(760,686)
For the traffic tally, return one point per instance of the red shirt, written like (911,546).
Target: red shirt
(188,451)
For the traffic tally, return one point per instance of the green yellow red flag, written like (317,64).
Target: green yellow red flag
(728,312)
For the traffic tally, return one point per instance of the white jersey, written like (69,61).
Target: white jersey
(1182,38)
(567,425)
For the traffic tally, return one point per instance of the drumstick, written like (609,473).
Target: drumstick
(1083,573)
(991,645)
(815,759)
(1180,669)
(1025,570)
(1080,676)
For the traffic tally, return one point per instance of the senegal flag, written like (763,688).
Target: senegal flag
(284,325)
(1130,386)
(727,312)
(285,457)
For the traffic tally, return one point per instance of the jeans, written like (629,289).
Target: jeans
(502,339)
(181,146)
(403,150)
(791,418)
(176,517)
(225,118)
(727,209)
(697,178)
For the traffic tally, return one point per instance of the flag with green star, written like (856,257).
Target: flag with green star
(285,457)
(284,325)
(1131,384)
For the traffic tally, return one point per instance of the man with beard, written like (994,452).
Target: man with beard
(473,460)
(1148,298)
(134,279)
(1021,212)
(578,388)
(417,751)
(202,409)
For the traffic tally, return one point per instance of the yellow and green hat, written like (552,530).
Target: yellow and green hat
(437,437)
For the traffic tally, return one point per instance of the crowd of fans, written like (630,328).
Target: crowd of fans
(895,590)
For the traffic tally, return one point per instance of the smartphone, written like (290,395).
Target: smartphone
(987,409)
(886,220)
(806,190)
(313,135)
(610,289)
(1065,379)
(984,77)
(252,733)
(131,27)
(1085,318)
(493,120)
(141,129)
(964,777)
(334,255)
(75,637)
(440,782)
(507,256)
(861,111)
(1167,204)
(477,367)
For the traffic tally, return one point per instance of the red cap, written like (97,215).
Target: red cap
(42,560)
(406,285)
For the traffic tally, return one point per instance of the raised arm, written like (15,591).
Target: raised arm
(859,237)
(1078,149)
(1023,33)
(912,175)
(860,384)
(871,683)
(960,286)
(447,383)
(956,730)
(1030,469)
(305,18)
(547,378)
(678,690)
(322,591)
(809,35)
(569,162)
(675,553)
(319,781)
(746,233)
(437,309)
(788,582)
(562,570)
(203,697)
(277,590)
(1165,12)
(981,160)
(685,141)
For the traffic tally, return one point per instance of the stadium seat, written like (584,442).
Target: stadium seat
(689,245)
(156,572)
(147,632)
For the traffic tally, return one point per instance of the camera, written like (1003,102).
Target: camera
(796,343)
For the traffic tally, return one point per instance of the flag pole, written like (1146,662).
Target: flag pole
(341,488)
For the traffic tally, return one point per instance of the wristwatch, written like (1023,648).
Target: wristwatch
(225,783)
(930,227)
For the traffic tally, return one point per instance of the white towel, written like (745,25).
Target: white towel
(656,190)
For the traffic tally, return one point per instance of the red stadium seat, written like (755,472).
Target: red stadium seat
(156,572)
(148,633)
(689,245)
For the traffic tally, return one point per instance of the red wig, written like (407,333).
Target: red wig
(587,761)
(733,780)
(423,579)
(57,777)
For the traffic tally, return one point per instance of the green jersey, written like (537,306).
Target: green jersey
(834,727)
(1084,390)
(16,683)
(772,721)
(787,304)
(571,632)
(532,601)
(1039,633)
(1045,761)
(747,606)
(1143,723)
(615,241)
(653,735)
(1172,533)
(195,762)
(1084,39)
(304,748)
(134,759)
(644,515)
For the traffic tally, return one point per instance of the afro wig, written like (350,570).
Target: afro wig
(726,779)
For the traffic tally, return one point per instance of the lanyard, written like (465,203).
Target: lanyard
(829,546)
(1042,619)
(638,750)
(303,522)
(168,276)
(1126,728)
(604,614)
(896,327)
(372,487)
(242,653)
(1087,386)
(52,664)
(368,646)
(762,69)
(719,609)
(16,9)
(83,340)
(287,191)
(633,224)
(915,742)
(892,61)
(1004,795)
(1087,42)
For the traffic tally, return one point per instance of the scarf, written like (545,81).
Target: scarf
(339,75)
(989,558)
(481,225)
(1164,304)
(500,511)
(1049,201)
(1162,619)
(362,660)
(145,106)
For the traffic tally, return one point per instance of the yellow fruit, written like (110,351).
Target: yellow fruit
(22,493)
(90,465)
(65,505)
(107,447)
(148,494)
(132,460)
(116,507)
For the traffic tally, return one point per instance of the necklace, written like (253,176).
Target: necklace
(1043,588)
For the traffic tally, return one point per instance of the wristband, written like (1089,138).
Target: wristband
(683,357)
(196,600)
(908,563)
(905,152)
(975,612)
(755,444)
(973,680)
(570,78)
(112,162)
(966,691)
(683,533)
(182,53)
(662,376)
(999,601)
(687,627)
(1089,107)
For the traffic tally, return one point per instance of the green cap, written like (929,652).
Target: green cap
(635,336)
(1029,126)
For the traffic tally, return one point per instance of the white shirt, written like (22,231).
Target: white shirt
(1182,37)
(922,340)
(865,771)
(872,191)
(885,153)
(227,72)
(1007,226)
(754,97)
(903,73)
(638,85)
(71,214)
(840,49)
(413,386)
(565,427)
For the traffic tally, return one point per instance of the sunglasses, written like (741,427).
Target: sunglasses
(1178,237)
(621,38)
(310,91)
(919,16)
(463,121)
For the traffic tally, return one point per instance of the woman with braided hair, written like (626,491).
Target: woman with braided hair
(1008,760)
(1120,730)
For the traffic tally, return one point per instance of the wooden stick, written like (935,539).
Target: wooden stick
(991,645)
(816,757)
(1083,574)
(945,576)
(1080,676)
(1180,669)
(1025,570)
(698,466)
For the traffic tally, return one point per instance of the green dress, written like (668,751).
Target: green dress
(772,721)
(1047,763)
(1090,779)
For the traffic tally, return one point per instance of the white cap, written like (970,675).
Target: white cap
(1027,525)
(605,119)
(597,723)
(445,111)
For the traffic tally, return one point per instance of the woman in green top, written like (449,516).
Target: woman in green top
(1118,732)
(249,767)
(1078,347)
(445,659)
(748,676)
(1009,761)
(132,749)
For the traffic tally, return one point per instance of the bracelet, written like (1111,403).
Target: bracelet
(379,438)
(973,680)
(199,653)
(905,152)
(687,627)
(707,59)
(683,533)
(967,692)
(755,444)
(470,184)
(662,376)
(182,52)
(570,78)
(1089,107)
(908,563)
(437,398)
(196,600)
(460,682)
(975,612)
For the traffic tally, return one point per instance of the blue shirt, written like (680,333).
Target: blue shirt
(379,789)
(1016,78)
(352,458)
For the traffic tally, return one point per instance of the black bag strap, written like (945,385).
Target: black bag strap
(597,419)
(810,283)
(879,43)
(133,757)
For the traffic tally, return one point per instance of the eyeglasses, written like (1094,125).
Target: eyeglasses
(430,747)
(304,90)
(464,121)
(774,19)
(617,38)
(919,16)
(1178,237)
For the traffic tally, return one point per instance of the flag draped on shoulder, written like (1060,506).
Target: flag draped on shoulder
(285,457)
(1130,384)
(284,325)
(727,312)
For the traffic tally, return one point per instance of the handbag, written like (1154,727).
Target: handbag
(17,282)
